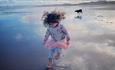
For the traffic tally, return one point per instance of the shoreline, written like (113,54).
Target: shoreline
(66,4)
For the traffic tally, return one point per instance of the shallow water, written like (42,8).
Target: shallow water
(92,45)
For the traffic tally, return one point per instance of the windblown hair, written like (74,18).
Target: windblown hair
(52,17)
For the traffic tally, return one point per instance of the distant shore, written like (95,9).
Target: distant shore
(69,4)
(109,5)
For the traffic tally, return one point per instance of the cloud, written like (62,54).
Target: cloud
(92,44)
(89,56)
(31,18)
(19,36)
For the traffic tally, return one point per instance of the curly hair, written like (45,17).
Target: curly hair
(50,18)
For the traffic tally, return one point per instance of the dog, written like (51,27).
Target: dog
(78,11)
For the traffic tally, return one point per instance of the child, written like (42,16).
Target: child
(59,35)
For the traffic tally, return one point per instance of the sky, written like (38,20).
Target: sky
(50,1)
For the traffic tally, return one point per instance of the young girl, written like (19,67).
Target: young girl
(59,35)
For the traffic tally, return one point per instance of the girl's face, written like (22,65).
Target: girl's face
(54,24)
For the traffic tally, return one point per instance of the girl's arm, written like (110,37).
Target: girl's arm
(66,33)
(46,36)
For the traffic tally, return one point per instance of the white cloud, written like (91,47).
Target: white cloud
(89,56)
(18,37)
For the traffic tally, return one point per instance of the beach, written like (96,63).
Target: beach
(92,44)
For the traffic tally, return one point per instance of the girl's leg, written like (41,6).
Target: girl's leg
(50,63)
(50,57)
(58,53)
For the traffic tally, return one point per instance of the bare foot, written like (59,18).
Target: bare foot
(50,65)
(49,68)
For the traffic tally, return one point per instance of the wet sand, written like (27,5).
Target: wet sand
(92,39)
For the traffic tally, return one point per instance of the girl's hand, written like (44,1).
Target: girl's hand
(67,42)
(44,42)
(68,39)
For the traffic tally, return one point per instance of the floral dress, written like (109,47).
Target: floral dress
(59,36)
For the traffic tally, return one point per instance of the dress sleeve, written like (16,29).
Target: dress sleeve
(65,32)
(47,35)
